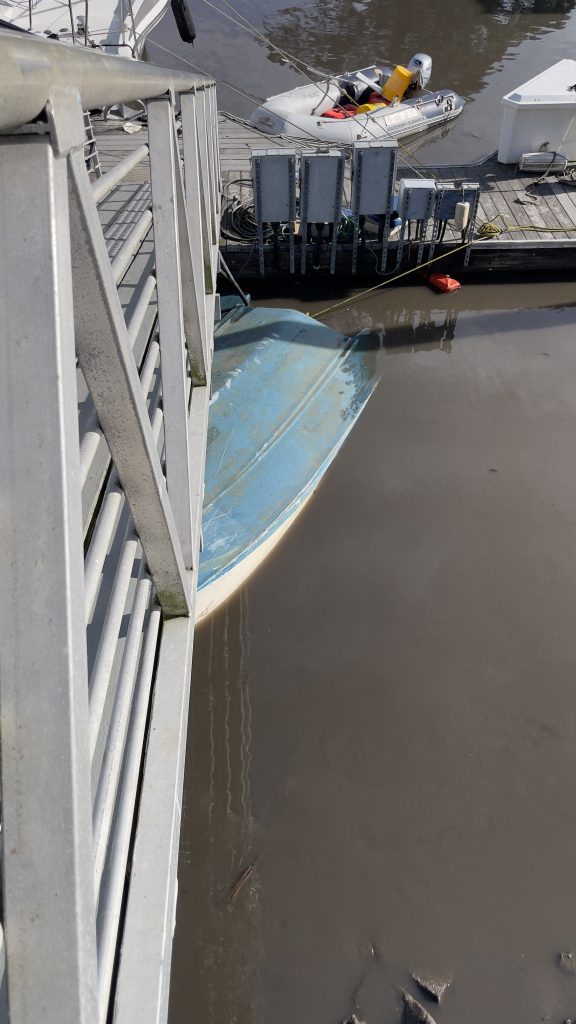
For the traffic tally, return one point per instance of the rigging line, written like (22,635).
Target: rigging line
(381,284)
(246,96)
(331,79)
(254,99)
(245,24)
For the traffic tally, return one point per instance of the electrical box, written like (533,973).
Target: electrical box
(448,197)
(321,179)
(416,199)
(274,182)
(373,177)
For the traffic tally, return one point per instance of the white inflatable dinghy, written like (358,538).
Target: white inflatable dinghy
(378,102)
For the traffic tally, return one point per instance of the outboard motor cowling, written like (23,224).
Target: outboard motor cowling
(421,67)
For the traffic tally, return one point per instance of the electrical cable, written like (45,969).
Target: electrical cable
(225,269)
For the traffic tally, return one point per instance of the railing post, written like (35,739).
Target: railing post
(193,298)
(46,798)
(201,265)
(209,232)
(163,172)
(213,129)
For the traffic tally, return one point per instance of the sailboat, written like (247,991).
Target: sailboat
(114,26)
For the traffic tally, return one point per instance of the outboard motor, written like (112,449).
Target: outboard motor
(421,67)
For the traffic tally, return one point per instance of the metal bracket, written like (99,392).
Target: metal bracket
(66,120)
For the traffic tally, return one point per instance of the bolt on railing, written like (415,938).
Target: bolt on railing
(107,324)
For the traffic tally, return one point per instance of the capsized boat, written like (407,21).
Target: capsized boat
(286,392)
(377,102)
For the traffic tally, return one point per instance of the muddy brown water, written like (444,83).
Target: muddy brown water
(383,721)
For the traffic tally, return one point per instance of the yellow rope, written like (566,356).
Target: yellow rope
(490,229)
(485,231)
(390,280)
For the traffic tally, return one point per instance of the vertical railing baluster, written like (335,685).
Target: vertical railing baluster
(193,191)
(193,302)
(210,234)
(170,317)
(212,127)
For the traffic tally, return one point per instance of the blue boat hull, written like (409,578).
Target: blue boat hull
(286,391)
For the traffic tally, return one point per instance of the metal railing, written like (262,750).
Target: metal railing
(106,341)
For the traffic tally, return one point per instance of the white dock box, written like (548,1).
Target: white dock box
(541,114)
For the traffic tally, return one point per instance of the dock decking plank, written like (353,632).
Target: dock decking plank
(531,235)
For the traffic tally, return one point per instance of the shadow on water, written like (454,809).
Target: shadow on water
(219,929)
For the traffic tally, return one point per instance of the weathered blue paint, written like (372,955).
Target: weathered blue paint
(286,391)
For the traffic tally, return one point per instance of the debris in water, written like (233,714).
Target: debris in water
(414,1012)
(241,882)
(443,282)
(567,963)
(352,1020)
(434,985)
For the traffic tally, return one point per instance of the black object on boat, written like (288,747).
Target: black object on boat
(184,21)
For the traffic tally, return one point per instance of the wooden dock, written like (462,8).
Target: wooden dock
(536,223)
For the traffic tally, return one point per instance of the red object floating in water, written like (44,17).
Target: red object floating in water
(443,282)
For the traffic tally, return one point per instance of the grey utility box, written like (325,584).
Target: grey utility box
(321,180)
(373,177)
(416,198)
(274,181)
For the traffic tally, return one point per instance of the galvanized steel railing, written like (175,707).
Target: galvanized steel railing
(106,345)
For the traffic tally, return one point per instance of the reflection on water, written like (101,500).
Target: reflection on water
(219,929)
(468,43)
(393,737)
(342,34)
(406,329)
(505,8)
(410,678)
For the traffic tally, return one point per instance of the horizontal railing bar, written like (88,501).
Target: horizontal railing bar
(150,364)
(122,259)
(144,966)
(117,730)
(138,201)
(104,185)
(91,439)
(92,436)
(113,503)
(107,519)
(112,893)
(31,67)
(198,420)
(100,696)
(139,312)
